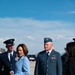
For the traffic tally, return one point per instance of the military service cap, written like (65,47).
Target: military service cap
(9,42)
(47,40)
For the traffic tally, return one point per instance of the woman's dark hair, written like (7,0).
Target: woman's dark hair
(70,48)
(24,47)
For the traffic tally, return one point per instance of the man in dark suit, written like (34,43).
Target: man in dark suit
(48,61)
(8,57)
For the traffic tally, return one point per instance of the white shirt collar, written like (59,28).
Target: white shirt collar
(9,54)
(49,52)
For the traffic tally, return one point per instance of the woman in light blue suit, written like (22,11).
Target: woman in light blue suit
(22,62)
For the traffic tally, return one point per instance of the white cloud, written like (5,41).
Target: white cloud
(30,37)
(72,12)
(21,22)
(31,32)
(1,39)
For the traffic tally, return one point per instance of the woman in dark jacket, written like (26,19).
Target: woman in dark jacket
(70,49)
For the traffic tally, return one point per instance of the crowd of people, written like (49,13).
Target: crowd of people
(48,62)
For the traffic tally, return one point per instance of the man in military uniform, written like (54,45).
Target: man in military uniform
(8,57)
(48,61)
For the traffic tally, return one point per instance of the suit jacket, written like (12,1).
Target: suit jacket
(0,65)
(71,67)
(6,65)
(22,66)
(64,59)
(51,65)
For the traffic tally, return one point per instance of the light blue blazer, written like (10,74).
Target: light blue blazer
(22,66)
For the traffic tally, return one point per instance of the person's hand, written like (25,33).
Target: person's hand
(11,73)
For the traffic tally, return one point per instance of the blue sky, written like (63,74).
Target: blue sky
(30,21)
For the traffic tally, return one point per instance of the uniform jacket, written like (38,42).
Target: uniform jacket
(22,66)
(51,65)
(6,65)
(0,65)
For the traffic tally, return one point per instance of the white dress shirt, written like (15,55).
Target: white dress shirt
(9,55)
(49,52)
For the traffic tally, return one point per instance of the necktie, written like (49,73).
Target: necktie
(11,57)
(47,54)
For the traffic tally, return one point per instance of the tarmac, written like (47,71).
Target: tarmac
(32,67)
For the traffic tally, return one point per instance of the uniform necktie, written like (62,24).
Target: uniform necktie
(11,57)
(47,54)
